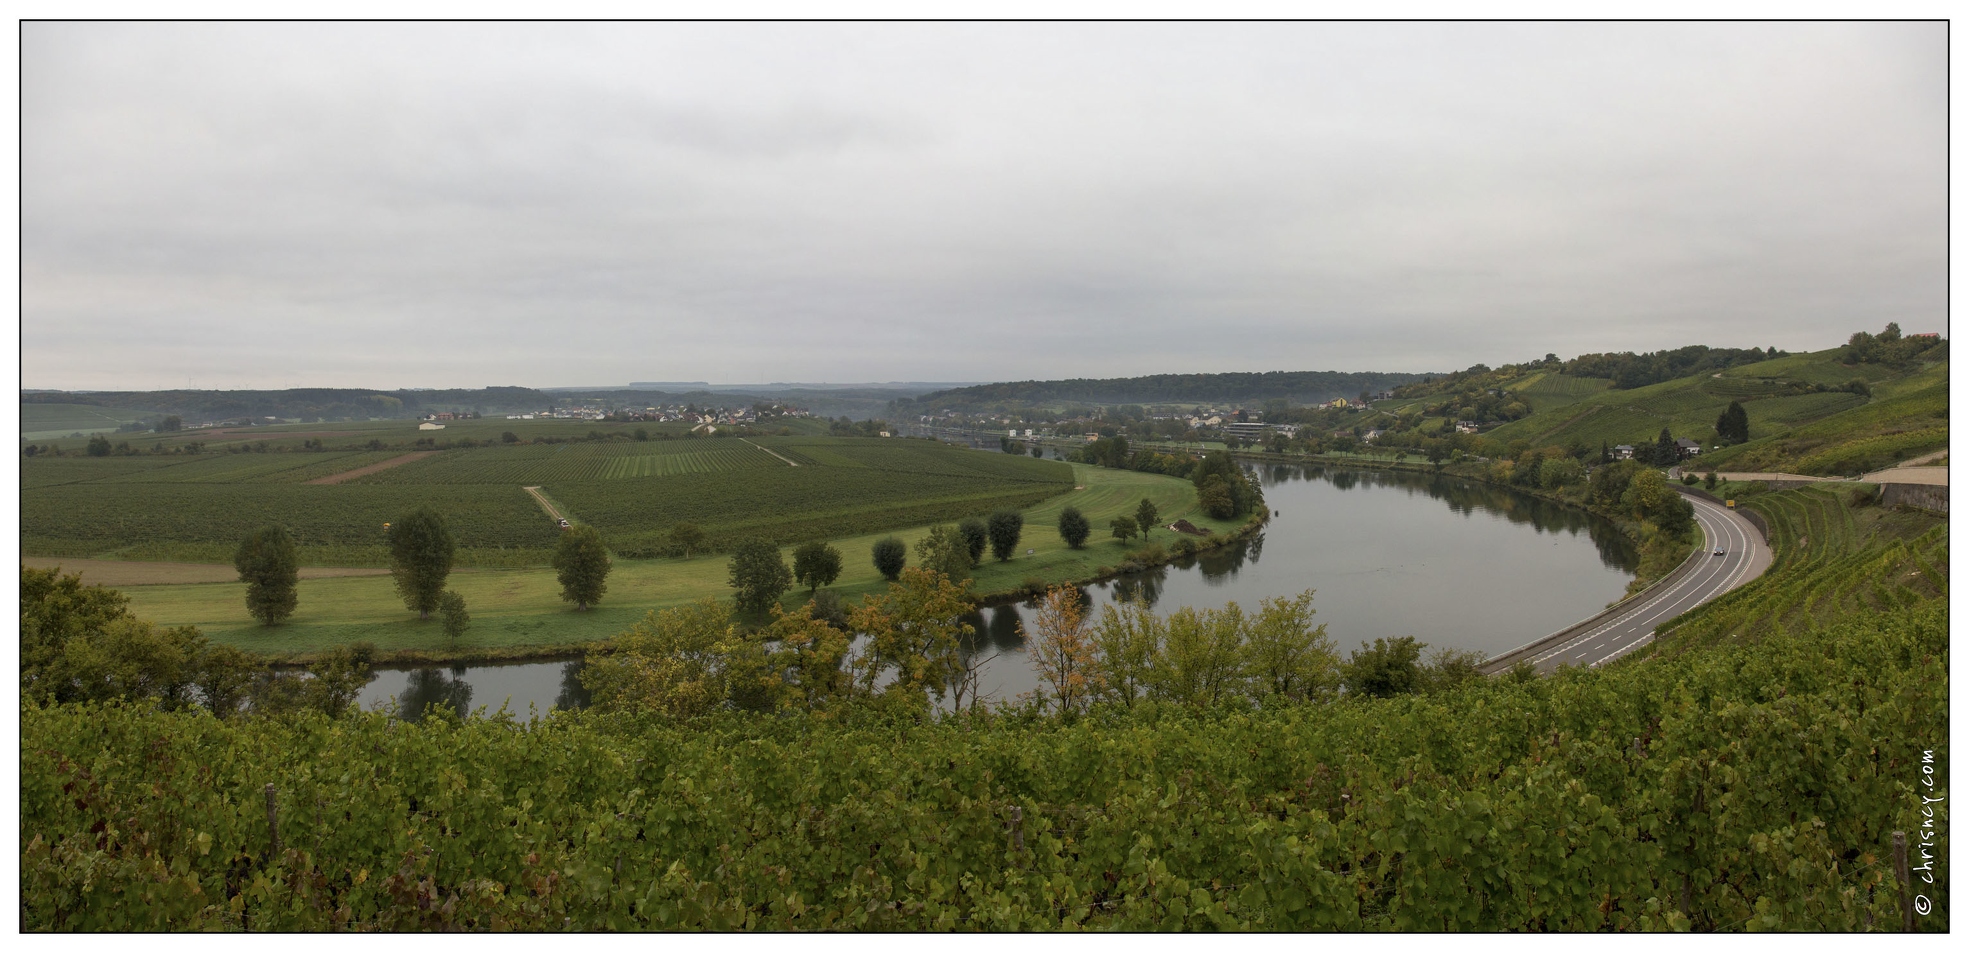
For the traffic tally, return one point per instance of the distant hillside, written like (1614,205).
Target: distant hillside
(1821,413)
(52,413)
(1306,387)
(327,403)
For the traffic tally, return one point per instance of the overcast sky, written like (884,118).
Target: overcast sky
(468,205)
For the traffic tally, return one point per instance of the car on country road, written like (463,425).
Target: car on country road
(564,526)
(1718,552)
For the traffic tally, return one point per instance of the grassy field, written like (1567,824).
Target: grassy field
(522,608)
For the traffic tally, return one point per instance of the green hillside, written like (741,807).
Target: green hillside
(41,421)
(1809,413)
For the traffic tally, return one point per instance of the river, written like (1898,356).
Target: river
(1455,564)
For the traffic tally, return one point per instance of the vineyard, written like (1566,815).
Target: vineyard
(91,519)
(1892,427)
(1746,787)
(198,506)
(788,504)
(1829,561)
(1777,395)
(1549,389)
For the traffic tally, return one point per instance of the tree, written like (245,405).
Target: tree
(1062,650)
(1201,662)
(1709,480)
(1005,527)
(1122,528)
(672,663)
(1665,452)
(946,552)
(581,562)
(509,437)
(1286,656)
(451,609)
(759,575)
(1037,450)
(975,537)
(80,643)
(1146,516)
(1386,669)
(687,537)
(1073,527)
(271,571)
(99,446)
(890,555)
(223,675)
(170,423)
(421,551)
(1733,426)
(916,634)
(816,564)
(1215,498)
(1128,639)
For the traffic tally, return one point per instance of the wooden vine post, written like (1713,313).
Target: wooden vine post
(1901,877)
(273,823)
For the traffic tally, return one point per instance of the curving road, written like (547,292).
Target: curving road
(1745,557)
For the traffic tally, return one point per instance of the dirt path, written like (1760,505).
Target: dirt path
(113,572)
(780,458)
(1924,458)
(372,468)
(541,498)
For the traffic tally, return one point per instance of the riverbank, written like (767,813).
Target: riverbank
(517,614)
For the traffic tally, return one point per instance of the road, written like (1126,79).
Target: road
(1745,557)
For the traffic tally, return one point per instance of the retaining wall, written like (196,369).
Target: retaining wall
(1923,496)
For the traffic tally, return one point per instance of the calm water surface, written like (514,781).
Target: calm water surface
(1455,564)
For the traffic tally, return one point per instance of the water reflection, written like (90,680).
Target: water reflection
(430,687)
(1145,586)
(573,694)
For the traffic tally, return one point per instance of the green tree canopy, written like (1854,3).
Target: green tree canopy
(271,571)
(1122,528)
(421,552)
(1385,669)
(1073,527)
(816,564)
(890,555)
(451,610)
(688,537)
(1005,527)
(759,575)
(1733,426)
(581,562)
(976,536)
(1146,516)
(945,551)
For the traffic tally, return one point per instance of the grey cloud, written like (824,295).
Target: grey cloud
(856,202)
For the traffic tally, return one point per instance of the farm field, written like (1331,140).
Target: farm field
(196,508)
(522,608)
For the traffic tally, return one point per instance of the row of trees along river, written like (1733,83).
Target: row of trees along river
(1456,565)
